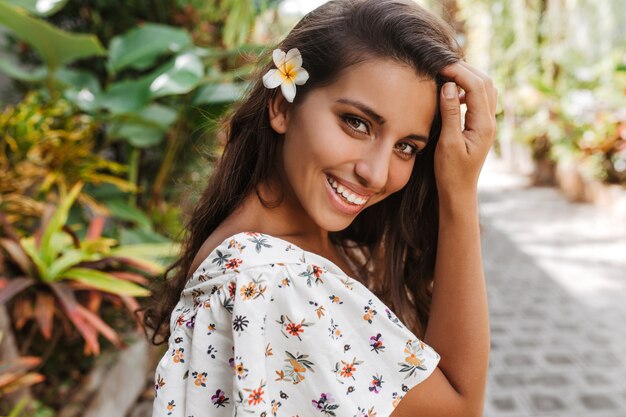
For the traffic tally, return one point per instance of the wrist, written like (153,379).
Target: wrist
(461,202)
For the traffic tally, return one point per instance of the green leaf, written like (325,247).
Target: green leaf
(139,48)
(67,260)
(139,135)
(40,7)
(55,224)
(78,79)
(219,93)
(179,76)
(147,250)
(28,243)
(105,282)
(55,46)
(15,71)
(125,96)
(145,128)
(140,236)
(120,209)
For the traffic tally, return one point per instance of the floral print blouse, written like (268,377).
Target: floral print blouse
(264,328)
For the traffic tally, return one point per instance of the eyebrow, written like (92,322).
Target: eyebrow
(377,117)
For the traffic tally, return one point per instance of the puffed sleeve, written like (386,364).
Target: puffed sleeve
(215,361)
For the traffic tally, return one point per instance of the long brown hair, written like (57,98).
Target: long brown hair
(393,243)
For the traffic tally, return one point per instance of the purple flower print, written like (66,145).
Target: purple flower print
(325,404)
(219,399)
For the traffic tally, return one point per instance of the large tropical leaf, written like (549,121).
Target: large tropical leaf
(139,48)
(55,224)
(70,306)
(146,127)
(219,93)
(11,287)
(17,255)
(147,250)
(179,76)
(56,47)
(105,282)
(17,72)
(40,7)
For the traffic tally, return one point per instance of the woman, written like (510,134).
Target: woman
(332,266)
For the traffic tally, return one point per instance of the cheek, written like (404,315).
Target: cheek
(399,175)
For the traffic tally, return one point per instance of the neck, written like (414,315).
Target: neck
(286,220)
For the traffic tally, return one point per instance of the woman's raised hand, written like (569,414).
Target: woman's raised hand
(462,150)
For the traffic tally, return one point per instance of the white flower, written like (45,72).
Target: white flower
(289,72)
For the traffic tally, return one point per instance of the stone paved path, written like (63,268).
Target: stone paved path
(556,276)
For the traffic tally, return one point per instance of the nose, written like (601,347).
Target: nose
(373,168)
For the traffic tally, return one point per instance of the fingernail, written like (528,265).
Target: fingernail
(449,90)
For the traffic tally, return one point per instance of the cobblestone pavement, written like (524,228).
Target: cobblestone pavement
(556,276)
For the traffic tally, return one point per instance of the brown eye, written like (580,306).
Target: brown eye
(407,149)
(356,124)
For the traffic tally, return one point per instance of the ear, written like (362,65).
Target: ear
(279,112)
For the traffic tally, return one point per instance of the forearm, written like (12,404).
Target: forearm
(458,328)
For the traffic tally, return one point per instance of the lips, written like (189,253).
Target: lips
(346,193)
(353,189)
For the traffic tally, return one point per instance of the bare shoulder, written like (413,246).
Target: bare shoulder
(211,242)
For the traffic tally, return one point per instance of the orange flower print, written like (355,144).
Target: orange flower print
(240,370)
(233,263)
(294,329)
(313,273)
(256,396)
(170,407)
(232,286)
(370,312)
(296,366)
(321,311)
(268,350)
(334,330)
(335,299)
(248,291)
(291,328)
(317,271)
(178,355)
(199,379)
(275,406)
(414,360)
(346,369)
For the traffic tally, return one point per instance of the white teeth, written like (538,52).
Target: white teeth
(341,190)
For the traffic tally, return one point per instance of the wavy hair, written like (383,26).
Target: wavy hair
(393,243)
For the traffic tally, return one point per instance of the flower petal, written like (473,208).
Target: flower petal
(289,90)
(293,58)
(279,57)
(273,78)
(301,76)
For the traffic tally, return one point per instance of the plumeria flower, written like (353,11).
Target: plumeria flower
(288,73)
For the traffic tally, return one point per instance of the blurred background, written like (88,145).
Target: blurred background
(108,129)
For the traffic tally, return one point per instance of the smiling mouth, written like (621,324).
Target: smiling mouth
(345,194)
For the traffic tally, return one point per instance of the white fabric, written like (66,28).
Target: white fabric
(264,328)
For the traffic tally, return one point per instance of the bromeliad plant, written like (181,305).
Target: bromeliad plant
(56,270)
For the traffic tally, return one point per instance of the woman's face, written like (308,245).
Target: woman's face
(356,137)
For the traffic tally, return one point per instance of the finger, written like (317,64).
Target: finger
(450,108)
(491,90)
(479,115)
(462,97)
